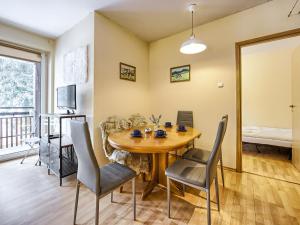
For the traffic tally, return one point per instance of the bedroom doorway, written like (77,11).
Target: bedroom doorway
(267,105)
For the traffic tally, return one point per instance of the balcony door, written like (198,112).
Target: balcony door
(20,95)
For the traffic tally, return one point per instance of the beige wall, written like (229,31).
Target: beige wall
(27,39)
(80,35)
(266,88)
(296,102)
(217,63)
(113,96)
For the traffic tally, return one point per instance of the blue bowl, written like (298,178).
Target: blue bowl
(136,135)
(181,129)
(160,134)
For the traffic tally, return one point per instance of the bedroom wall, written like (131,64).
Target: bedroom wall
(112,96)
(80,35)
(216,64)
(266,87)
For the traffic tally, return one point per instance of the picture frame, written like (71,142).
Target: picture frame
(127,72)
(180,73)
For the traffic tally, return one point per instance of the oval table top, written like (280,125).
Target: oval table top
(149,144)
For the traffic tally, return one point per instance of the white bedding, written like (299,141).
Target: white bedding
(268,136)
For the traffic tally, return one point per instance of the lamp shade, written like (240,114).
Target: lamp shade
(192,46)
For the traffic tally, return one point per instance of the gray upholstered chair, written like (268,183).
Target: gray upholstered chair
(185,118)
(202,156)
(101,181)
(198,175)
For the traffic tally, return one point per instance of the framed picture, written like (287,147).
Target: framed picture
(127,72)
(180,73)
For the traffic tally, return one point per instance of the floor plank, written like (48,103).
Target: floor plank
(271,162)
(29,196)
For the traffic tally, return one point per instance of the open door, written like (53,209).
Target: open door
(296,107)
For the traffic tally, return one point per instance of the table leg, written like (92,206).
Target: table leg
(154,176)
(158,178)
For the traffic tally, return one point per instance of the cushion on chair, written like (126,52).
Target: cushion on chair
(188,171)
(140,163)
(197,155)
(119,156)
(113,175)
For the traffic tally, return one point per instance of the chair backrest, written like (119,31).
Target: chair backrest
(225,118)
(214,157)
(110,125)
(88,170)
(185,118)
(137,120)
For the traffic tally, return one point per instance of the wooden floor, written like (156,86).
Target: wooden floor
(28,196)
(270,162)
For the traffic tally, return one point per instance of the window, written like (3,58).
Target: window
(17,83)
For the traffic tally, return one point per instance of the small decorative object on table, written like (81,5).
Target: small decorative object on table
(148,130)
(155,121)
(181,128)
(136,133)
(160,134)
(168,124)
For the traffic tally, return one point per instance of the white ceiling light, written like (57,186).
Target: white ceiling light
(192,45)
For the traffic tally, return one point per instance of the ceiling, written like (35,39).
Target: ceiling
(148,19)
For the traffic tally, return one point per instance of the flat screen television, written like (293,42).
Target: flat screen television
(66,97)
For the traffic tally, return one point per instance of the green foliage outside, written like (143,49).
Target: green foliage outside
(17,79)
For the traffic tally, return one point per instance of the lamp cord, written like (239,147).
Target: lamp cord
(192,22)
(293,8)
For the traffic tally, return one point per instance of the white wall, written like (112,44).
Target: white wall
(266,88)
(27,39)
(217,63)
(80,35)
(112,96)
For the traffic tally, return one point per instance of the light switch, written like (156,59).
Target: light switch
(220,84)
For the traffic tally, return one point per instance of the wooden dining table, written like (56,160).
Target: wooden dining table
(159,149)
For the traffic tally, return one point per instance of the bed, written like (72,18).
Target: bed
(268,136)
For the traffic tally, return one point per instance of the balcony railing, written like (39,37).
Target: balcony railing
(15,126)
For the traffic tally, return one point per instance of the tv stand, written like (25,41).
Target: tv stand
(56,150)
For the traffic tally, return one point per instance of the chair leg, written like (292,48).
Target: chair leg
(25,156)
(222,170)
(217,191)
(76,201)
(169,197)
(134,199)
(208,206)
(97,211)
(112,197)
(121,189)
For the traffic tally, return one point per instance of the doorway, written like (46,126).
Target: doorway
(239,54)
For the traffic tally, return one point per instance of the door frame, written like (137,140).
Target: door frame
(238,47)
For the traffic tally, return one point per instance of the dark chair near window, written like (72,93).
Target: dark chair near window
(198,175)
(202,156)
(103,180)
